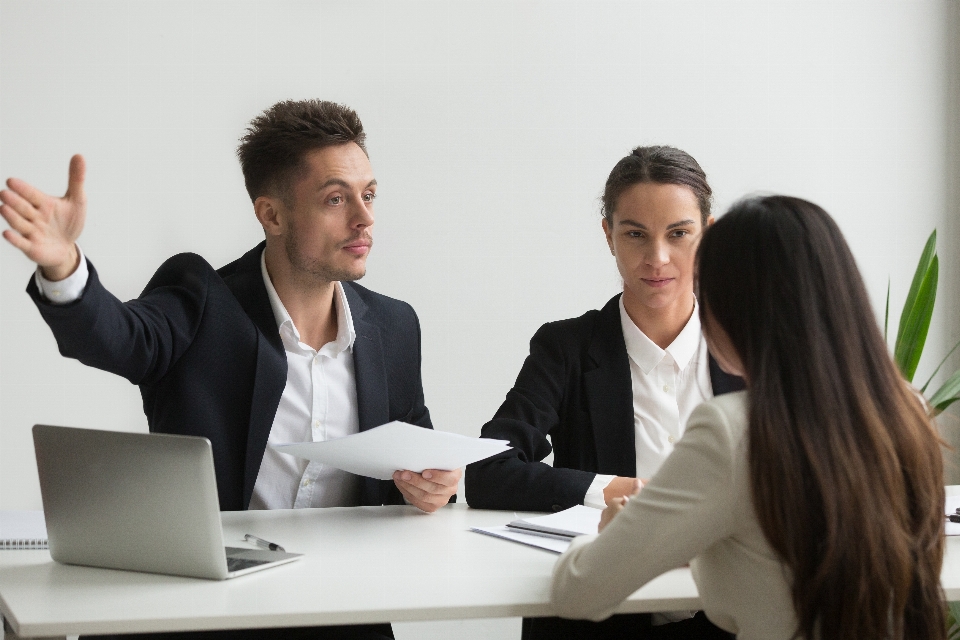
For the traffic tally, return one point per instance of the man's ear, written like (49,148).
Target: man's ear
(269,213)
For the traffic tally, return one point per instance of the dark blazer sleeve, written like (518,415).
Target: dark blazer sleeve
(534,407)
(140,339)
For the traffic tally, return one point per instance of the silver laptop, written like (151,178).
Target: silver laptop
(140,502)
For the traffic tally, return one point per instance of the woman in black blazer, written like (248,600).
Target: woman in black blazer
(584,388)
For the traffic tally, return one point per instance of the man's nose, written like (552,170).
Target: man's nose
(361,214)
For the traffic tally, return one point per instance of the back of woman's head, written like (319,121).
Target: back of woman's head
(845,467)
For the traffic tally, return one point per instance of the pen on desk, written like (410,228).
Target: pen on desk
(263,544)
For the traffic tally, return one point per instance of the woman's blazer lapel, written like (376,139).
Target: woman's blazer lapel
(609,393)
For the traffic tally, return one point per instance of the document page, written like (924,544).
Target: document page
(569,523)
(378,452)
(22,530)
(953,503)
(556,544)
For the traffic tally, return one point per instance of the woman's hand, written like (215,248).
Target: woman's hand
(616,503)
(621,487)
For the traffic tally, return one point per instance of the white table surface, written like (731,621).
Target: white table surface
(367,564)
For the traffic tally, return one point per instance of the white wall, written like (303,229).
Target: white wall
(492,127)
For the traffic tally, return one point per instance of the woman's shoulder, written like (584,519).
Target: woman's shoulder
(582,327)
(729,412)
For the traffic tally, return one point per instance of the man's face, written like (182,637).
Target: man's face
(654,236)
(328,215)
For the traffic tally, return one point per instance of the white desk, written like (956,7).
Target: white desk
(370,564)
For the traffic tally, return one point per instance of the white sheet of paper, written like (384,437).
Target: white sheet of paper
(22,530)
(378,452)
(953,528)
(575,521)
(541,542)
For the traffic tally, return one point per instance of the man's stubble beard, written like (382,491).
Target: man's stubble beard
(314,271)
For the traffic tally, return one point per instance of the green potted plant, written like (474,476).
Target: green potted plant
(914,324)
(911,336)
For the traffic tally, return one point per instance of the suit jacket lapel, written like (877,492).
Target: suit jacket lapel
(370,369)
(245,280)
(370,376)
(609,391)
(722,382)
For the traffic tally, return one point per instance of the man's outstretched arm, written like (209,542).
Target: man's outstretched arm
(138,340)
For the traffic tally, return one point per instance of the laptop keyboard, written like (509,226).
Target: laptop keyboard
(238,564)
(239,559)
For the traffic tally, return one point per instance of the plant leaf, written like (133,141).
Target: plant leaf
(915,322)
(923,268)
(953,615)
(923,389)
(948,393)
(886,312)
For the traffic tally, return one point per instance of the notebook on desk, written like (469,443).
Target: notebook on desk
(136,501)
(22,530)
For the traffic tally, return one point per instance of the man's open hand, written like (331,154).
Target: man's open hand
(430,490)
(45,227)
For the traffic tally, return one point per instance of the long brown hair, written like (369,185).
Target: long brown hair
(846,472)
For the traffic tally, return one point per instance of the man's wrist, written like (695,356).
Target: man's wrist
(65,269)
(66,290)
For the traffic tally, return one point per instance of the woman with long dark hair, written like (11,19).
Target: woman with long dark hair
(809,505)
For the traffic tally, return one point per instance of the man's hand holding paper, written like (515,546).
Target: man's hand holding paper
(430,490)
(425,465)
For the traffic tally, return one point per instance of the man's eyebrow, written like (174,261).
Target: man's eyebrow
(343,183)
(682,223)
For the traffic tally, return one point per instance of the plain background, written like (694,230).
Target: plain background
(491,127)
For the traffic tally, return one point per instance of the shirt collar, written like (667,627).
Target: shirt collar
(345,331)
(645,351)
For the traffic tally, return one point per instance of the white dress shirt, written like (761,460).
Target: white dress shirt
(66,290)
(319,402)
(668,384)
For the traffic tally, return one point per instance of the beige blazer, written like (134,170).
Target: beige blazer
(696,509)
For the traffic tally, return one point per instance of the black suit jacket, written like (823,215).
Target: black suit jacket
(205,350)
(574,387)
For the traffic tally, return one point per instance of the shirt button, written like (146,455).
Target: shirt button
(316,423)
(670,439)
(305,483)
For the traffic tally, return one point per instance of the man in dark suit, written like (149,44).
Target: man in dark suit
(278,346)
